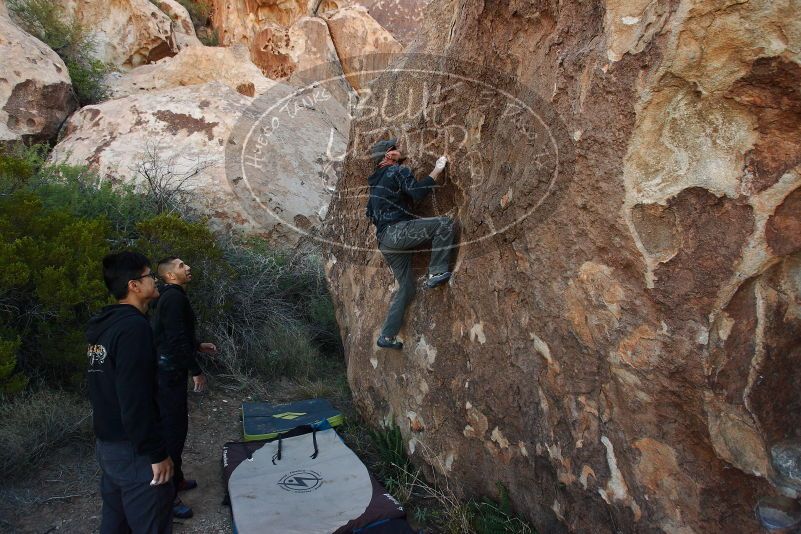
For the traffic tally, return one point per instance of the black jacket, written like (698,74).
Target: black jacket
(122,380)
(393,189)
(174,329)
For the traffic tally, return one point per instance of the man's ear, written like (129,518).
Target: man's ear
(133,287)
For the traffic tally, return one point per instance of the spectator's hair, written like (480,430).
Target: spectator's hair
(120,268)
(163,264)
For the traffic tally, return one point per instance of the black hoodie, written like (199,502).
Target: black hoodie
(122,379)
(392,191)
(174,328)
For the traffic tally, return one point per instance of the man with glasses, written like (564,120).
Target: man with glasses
(136,469)
(393,189)
(176,344)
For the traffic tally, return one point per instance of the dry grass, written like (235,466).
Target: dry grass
(431,500)
(34,424)
(275,331)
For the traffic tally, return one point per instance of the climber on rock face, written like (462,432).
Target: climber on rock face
(393,188)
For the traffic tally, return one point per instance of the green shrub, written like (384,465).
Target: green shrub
(56,224)
(51,283)
(11,381)
(88,78)
(168,234)
(82,193)
(18,165)
(389,443)
(47,21)
(490,517)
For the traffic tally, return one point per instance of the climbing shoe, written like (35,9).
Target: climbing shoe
(389,343)
(180,510)
(437,279)
(187,484)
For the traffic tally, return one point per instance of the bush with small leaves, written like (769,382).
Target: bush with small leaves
(50,285)
(11,380)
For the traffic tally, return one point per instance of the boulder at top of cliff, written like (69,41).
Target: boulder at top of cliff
(364,47)
(182,27)
(238,22)
(316,57)
(191,66)
(402,18)
(283,39)
(127,33)
(181,133)
(302,54)
(35,89)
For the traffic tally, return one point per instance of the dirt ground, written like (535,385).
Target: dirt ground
(62,494)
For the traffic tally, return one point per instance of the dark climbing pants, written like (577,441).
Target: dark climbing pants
(130,504)
(398,243)
(174,413)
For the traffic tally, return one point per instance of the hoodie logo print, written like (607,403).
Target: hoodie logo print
(96,354)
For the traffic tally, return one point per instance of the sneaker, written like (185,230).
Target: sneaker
(389,343)
(435,280)
(187,484)
(180,510)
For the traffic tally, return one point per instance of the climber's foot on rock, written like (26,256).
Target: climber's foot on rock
(389,343)
(437,279)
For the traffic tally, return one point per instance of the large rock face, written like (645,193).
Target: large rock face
(313,52)
(402,18)
(183,29)
(287,39)
(619,345)
(355,34)
(35,89)
(263,26)
(129,33)
(178,135)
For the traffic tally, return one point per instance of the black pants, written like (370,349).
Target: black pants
(397,244)
(174,414)
(130,503)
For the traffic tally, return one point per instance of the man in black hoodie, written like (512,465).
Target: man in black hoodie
(393,189)
(137,470)
(176,343)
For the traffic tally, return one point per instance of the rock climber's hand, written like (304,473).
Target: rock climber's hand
(440,164)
